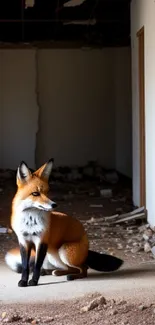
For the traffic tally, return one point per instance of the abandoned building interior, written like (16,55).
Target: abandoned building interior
(76,84)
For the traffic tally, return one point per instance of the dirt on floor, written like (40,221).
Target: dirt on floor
(91,309)
(84,201)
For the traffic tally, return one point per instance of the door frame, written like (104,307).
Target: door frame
(141,66)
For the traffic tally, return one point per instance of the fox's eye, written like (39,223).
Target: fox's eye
(35,193)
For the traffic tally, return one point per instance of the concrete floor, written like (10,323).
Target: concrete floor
(136,283)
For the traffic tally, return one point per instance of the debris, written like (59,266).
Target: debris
(153,250)
(96,205)
(147,234)
(91,220)
(136,214)
(12,319)
(3,315)
(130,232)
(7,320)
(88,171)
(115,216)
(4,230)
(142,307)
(145,237)
(119,246)
(152,240)
(136,249)
(34,321)
(113,312)
(134,227)
(138,210)
(128,247)
(91,193)
(111,177)
(106,193)
(135,244)
(147,247)
(74,175)
(130,241)
(122,199)
(130,216)
(119,210)
(142,228)
(99,173)
(94,304)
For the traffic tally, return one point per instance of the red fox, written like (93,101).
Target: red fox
(49,241)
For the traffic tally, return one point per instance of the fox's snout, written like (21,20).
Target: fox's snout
(47,206)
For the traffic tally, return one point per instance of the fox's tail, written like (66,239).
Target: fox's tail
(13,260)
(95,261)
(103,262)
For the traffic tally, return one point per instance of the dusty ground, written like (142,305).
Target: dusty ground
(91,309)
(124,241)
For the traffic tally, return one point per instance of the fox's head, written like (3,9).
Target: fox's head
(33,188)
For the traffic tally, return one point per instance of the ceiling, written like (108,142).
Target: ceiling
(87,22)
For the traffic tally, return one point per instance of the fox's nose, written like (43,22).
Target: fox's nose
(54,205)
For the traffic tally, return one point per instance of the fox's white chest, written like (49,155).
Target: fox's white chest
(31,224)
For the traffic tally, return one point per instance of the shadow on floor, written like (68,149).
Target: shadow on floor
(138,272)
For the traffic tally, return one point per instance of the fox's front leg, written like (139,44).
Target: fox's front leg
(25,252)
(41,253)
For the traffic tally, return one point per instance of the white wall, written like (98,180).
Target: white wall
(80,92)
(78,101)
(77,117)
(18,109)
(143,14)
(123,104)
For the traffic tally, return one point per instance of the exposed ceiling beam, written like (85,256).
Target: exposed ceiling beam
(73,3)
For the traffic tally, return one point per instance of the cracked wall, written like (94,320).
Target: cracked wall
(66,104)
(18,108)
(85,98)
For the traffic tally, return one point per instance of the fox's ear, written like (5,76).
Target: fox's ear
(23,173)
(44,171)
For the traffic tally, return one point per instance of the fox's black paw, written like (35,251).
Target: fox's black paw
(70,277)
(22,283)
(33,283)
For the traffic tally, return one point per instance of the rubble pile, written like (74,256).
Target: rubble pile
(91,171)
(148,236)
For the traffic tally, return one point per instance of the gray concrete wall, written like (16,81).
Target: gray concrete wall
(75,99)
(18,108)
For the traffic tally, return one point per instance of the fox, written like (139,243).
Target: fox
(50,242)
